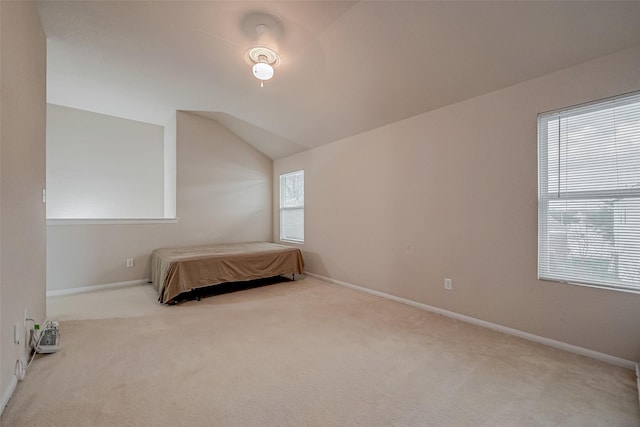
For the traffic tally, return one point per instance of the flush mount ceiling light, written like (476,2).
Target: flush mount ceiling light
(263,60)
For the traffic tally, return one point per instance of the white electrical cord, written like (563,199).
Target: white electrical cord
(35,343)
(21,370)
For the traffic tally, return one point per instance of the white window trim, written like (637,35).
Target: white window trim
(544,197)
(282,239)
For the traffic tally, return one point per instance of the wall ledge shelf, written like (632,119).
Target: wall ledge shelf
(109,221)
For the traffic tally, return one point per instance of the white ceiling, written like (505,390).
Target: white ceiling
(348,67)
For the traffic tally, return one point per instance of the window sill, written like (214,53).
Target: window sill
(118,221)
(297,242)
(595,286)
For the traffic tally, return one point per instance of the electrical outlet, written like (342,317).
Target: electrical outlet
(27,329)
(129,262)
(448,284)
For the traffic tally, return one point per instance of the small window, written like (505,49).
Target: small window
(589,194)
(292,206)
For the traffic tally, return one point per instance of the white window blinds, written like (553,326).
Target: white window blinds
(292,206)
(589,194)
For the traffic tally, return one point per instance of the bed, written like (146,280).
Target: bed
(178,270)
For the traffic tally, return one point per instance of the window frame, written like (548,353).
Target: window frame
(545,197)
(283,208)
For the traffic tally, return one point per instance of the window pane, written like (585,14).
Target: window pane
(292,224)
(293,194)
(553,152)
(594,241)
(597,157)
(596,150)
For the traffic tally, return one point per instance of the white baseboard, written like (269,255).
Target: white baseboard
(83,289)
(496,327)
(8,392)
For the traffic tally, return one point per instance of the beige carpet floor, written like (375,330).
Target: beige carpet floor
(306,353)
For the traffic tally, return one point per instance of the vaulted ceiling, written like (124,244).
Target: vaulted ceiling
(347,67)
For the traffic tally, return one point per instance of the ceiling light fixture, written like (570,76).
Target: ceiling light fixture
(263,60)
(262,70)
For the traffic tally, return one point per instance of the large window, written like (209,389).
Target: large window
(589,194)
(292,206)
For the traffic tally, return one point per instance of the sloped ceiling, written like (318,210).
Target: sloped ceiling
(348,67)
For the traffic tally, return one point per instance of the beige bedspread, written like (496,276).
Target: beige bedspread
(177,270)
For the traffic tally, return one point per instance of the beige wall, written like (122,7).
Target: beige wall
(453,193)
(22,173)
(223,195)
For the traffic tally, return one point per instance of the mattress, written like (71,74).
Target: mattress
(178,270)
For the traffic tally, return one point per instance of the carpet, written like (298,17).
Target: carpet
(308,353)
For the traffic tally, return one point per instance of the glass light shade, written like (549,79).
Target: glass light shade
(262,71)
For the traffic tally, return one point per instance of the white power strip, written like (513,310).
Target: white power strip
(48,340)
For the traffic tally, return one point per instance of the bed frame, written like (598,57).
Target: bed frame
(175,271)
